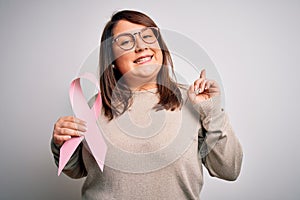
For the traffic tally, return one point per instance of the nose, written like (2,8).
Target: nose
(140,45)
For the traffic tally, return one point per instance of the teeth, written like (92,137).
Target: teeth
(143,59)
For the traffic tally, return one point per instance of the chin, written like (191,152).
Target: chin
(147,70)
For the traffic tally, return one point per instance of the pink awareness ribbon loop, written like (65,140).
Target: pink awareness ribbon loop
(93,135)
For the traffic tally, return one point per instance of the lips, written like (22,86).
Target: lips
(143,59)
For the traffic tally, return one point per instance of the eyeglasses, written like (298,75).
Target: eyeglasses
(127,41)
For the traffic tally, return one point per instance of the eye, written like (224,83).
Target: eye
(147,36)
(124,42)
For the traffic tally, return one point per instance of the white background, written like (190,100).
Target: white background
(254,45)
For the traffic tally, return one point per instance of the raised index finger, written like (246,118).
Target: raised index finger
(203,74)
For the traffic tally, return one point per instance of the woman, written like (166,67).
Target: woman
(172,129)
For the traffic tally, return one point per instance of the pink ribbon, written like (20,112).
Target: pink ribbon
(93,136)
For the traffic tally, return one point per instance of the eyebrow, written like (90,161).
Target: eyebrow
(133,31)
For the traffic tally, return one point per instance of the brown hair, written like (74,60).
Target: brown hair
(116,98)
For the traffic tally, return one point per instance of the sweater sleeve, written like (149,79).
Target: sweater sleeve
(75,166)
(219,148)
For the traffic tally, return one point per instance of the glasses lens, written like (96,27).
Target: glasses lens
(125,41)
(149,35)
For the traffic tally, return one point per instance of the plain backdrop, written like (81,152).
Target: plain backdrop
(254,45)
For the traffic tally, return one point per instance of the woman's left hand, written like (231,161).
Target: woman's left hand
(203,89)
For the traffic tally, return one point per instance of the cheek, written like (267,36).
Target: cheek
(158,53)
(117,54)
(159,57)
(123,63)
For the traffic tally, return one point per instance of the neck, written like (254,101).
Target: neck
(148,86)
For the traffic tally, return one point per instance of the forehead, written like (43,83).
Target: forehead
(126,26)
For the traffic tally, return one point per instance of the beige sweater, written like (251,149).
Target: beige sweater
(158,155)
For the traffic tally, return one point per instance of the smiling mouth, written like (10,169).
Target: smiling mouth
(142,60)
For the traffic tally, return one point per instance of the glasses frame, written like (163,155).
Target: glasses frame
(132,35)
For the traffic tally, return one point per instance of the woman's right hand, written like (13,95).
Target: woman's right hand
(67,127)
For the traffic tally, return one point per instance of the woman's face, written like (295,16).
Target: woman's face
(141,64)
